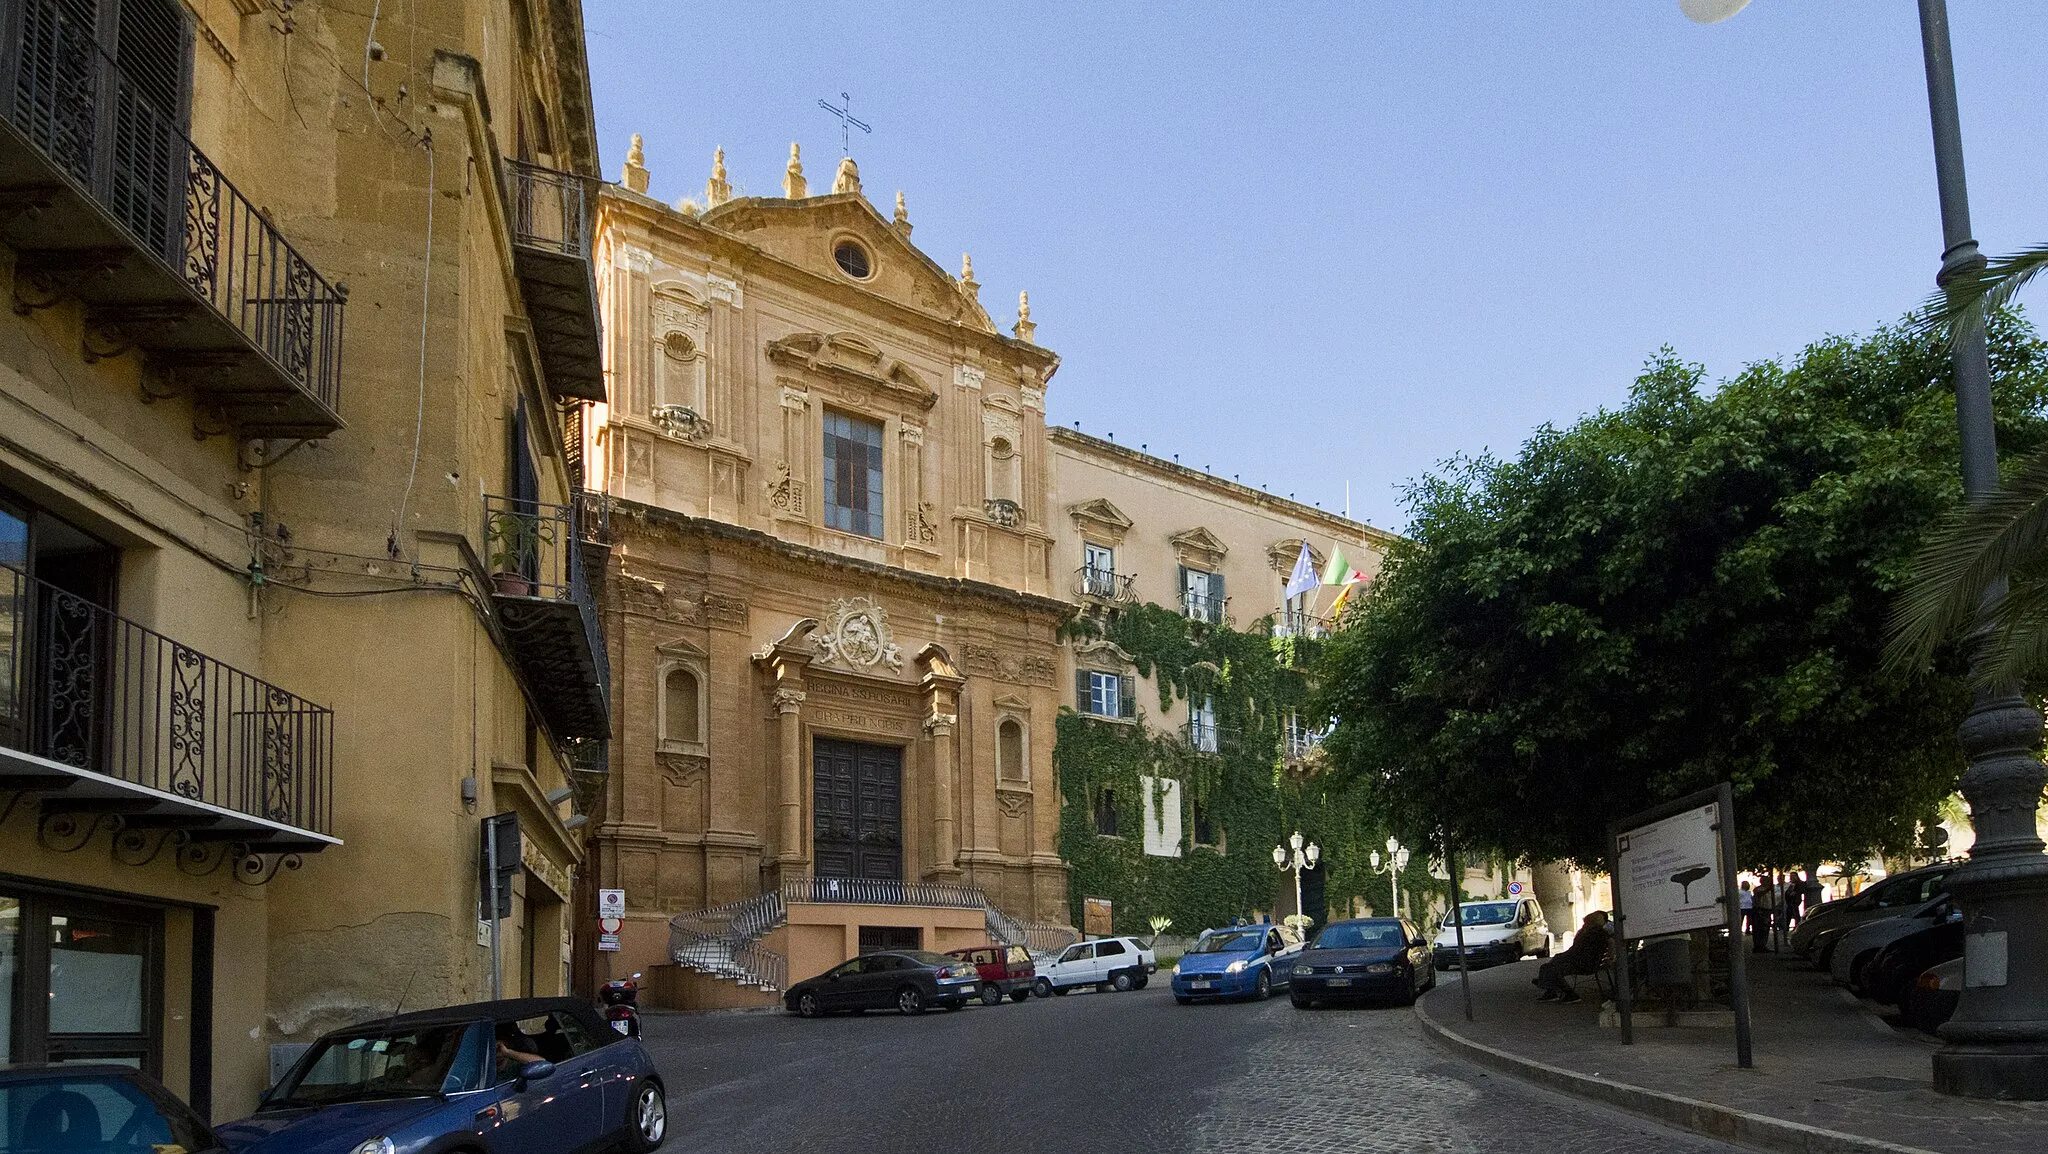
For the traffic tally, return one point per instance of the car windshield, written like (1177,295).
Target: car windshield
(1231,942)
(353,1067)
(1360,936)
(1484,914)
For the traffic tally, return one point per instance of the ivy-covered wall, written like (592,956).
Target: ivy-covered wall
(1252,795)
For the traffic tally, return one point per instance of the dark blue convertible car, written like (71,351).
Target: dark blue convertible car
(531,1076)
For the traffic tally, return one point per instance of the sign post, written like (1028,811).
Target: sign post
(611,918)
(1674,871)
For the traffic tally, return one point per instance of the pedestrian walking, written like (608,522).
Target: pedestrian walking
(1764,912)
(1748,899)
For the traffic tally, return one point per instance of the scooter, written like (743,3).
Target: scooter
(621,999)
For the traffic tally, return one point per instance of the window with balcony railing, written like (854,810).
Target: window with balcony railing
(1201,595)
(1299,737)
(1202,725)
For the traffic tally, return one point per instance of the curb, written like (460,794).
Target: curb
(1707,1118)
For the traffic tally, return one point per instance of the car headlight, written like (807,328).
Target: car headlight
(1176,969)
(1304,969)
(1236,967)
(1379,968)
(376,1146)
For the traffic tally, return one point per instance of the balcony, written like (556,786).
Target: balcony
(105,200)
(1299,623)
(1202,733)
(1204,607)
(1097,584)
(110,723)
(551,234)
(548,613)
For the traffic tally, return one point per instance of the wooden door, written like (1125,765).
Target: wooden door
(857,802)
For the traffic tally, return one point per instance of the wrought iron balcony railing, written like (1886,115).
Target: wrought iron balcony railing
(1105,584)
(203,741)
(551,226)
(1205,607)
(1299,623)
(1202,733)
(534,552)
(106,200)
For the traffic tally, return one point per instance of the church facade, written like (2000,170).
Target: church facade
(831,604)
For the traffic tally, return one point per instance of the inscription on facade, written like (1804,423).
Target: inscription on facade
(865,722)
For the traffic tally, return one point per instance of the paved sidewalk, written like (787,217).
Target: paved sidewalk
(1830,1076)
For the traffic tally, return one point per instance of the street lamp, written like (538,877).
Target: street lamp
(1303,857)
(1397,860)
(1998,1037)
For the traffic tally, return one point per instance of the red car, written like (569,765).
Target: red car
(1005,971)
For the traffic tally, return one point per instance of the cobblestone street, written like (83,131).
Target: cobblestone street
(1132,1073)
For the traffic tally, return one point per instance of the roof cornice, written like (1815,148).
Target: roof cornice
(1172,470)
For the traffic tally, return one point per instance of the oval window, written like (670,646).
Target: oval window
(853,259)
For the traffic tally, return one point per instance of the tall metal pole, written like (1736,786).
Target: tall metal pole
(1998,1038)
(1731,905)
(1458,923)
(1394,883)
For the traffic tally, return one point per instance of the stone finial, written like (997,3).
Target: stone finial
(1025,330)
(716,190)
(968,285)
(902,221)
(847,179)
(635,174)
(793,185)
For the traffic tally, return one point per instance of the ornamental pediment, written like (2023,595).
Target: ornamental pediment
(1198,548)
(851,357)
(1099,518)
(1282,555)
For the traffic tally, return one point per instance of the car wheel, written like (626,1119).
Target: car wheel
(1263,988)
(650,1119)
(1042,987)
(910,1000)
(1121,981)
(807,1005)
(1431,983)
(991,996)
(1857,966)
(1020,995)
(1299,1002)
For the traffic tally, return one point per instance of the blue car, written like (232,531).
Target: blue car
(1239,962)
(529,1076)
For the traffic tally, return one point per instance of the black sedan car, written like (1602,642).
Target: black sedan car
(1379,958)
(1890,975)
(524,1076)
(92,1108)
(908,981)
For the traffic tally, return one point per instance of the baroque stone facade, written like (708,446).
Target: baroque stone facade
(831,549)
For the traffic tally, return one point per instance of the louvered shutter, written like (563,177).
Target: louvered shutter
(1127,695)
(1081,690)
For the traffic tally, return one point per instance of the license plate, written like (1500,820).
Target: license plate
(623,1028)
(1339,981)
(1201,985)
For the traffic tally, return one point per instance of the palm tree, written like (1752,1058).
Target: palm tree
(1986,564)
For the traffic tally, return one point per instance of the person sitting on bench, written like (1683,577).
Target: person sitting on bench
(1587,953)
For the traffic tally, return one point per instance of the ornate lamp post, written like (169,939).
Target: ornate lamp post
(1303,857)
(1397,860)
(1998,1038)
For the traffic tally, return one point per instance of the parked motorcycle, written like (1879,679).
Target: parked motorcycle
(621,1000)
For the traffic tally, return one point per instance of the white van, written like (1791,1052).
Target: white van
(1495,933)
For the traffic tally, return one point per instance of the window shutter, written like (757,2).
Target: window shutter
(1216,593)
(1127,695)
(1081,690)
(1183,589)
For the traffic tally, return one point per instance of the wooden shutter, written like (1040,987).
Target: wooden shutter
(1216,594)
(1127,695)
(1081,690)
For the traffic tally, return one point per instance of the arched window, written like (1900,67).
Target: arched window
(1010,751)
(682,707)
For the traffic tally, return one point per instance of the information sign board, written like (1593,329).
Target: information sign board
(1670,874)
(611,903)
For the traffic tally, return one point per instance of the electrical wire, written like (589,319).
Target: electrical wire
(419,416)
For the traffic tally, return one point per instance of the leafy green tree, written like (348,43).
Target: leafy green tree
(1689,589)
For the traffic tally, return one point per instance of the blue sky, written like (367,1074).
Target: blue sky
(1305,245)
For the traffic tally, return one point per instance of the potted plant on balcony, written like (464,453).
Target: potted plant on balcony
(515,541)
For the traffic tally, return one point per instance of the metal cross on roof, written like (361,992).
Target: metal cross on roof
(846,121)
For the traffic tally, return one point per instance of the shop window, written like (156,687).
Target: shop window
(682,706)
(1105,811)
(1010,764)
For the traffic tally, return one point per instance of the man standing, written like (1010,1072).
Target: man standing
(1766,912)
(1588,951)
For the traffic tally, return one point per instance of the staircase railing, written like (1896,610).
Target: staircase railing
(725,941)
